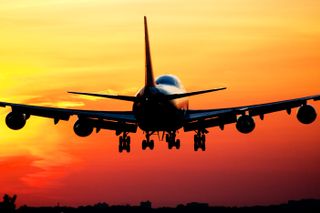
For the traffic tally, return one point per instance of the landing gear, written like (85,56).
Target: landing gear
(148,143)
(200,140)
(171,140)
(124,142)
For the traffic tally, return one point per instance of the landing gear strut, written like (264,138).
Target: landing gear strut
(124,142)
(200,140)
(171,140)
(148,143)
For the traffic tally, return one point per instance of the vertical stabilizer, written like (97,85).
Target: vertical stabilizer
(149,72)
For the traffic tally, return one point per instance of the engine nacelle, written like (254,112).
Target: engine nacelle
(306,114)
(245,124)
(16,120)
(82,128)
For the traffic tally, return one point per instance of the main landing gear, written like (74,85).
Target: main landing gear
(148,143)
(171,140)
(200,140)
(124,142)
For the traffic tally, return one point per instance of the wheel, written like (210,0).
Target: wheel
(196,142)
(144,144)
(128,147)
(151,144)
(178,144)
(203,138)
(197,139)
(120,148)
(170,145)
(203,142)
(120,144)
(195,146)
(203,147)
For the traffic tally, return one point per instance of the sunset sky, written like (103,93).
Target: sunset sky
(262,50)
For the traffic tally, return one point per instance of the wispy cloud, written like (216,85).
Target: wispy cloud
(60,104)
(19,98)
(129,91)
(25,4)
(48,154)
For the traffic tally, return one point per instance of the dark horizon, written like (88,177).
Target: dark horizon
(60,204)
(9,205)
(303,205)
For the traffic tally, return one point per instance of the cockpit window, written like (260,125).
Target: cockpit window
(168,80)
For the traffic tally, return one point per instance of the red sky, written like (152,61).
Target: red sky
(261,50)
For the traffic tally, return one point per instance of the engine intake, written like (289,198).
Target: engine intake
(16,120)
(245,124)
(306,114)
(82,128)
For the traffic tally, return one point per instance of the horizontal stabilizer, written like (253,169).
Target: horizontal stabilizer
(183,95)
(118,97)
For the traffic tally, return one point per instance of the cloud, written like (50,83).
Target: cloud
(47,154)
(130,91)
(13,169)
(61,104)
(19,98)
(29,4)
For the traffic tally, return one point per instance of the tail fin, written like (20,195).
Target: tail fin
(149,79)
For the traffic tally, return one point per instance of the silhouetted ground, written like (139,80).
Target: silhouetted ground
(305,206)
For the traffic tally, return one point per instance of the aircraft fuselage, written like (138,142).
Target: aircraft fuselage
(156,113)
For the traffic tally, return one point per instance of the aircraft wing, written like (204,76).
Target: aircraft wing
(201,119)
(113,120)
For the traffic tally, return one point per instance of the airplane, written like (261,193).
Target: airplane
(160,106)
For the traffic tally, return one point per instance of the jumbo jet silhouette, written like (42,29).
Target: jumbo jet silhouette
(161,106)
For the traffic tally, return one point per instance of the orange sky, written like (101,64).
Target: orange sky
(262,51)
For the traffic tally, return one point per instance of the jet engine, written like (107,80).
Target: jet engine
(16,120)
(306,114)
(245,124)
(82,128)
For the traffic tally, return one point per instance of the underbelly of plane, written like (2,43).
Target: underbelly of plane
(155,123)
(159,118)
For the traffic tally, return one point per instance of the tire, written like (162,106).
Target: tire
(170,145)
(128,147)
(195,138)
(120,144)
(203,147)
(203,144)
(151,144)
(144,144)
(195,146)
(177,144)
(203,138)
